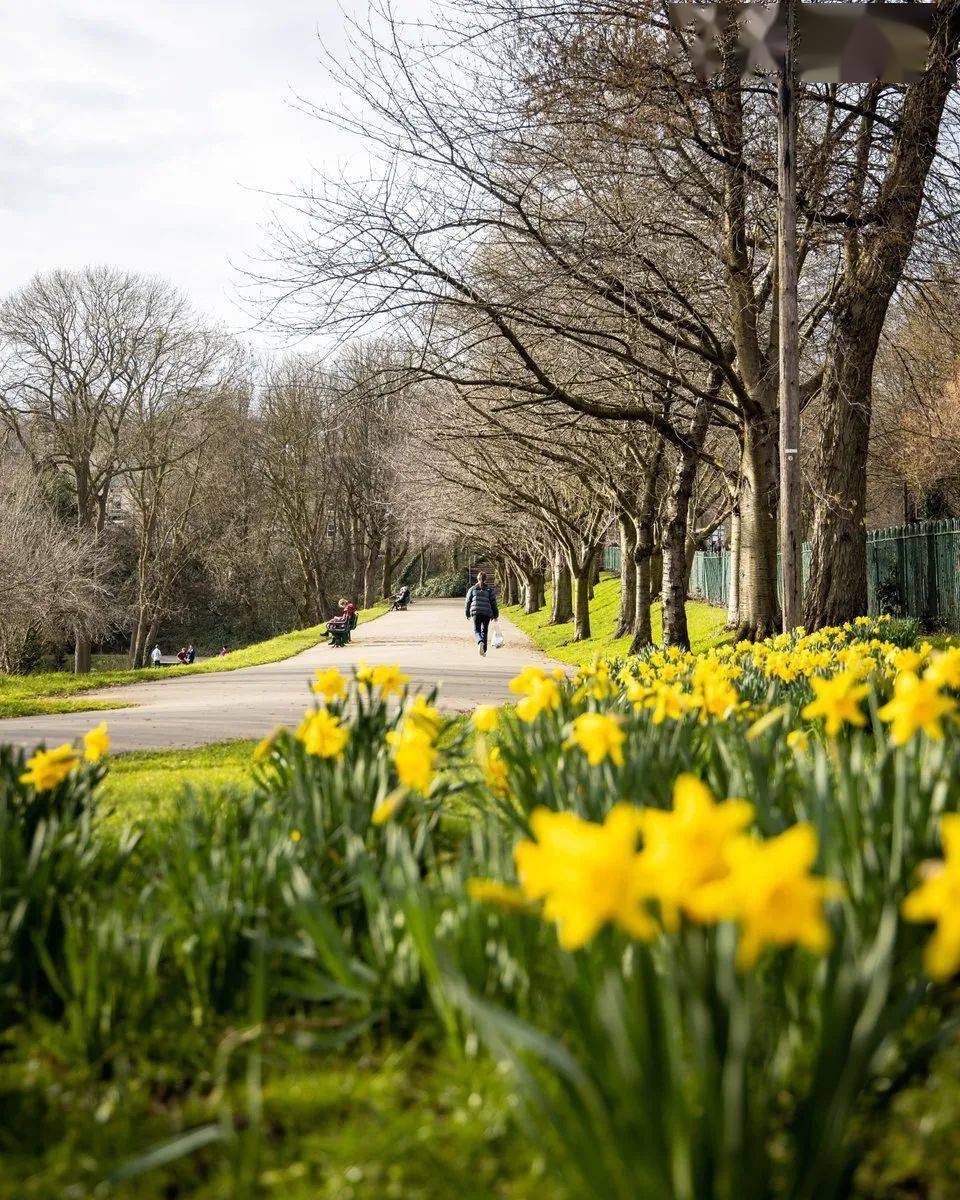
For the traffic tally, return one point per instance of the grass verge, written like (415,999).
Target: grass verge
(144,784)
(705,622)
(35,695)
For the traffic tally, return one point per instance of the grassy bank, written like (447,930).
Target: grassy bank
(63,691)
(706,625)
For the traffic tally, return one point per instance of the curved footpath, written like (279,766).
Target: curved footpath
(432,642)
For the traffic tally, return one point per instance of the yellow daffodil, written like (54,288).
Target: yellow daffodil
(390,680)
(938,899)
(798,740)
(770,892)
(485,718)
(599,737)
(781,665)
(767,721)
(295,835)
(322,734)
(667,702)
(586,874)
(363,674)
(329,684)
(263,748)
(917,704)
(96,743)
(714,696)
(944,669)
(837,700)
(47,768)
(424,717)
(497,895)
(685,849)
(387,808)
(522,684)
(595,681)
(414,756)
(495,773)
(543,695)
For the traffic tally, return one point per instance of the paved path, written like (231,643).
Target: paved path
(431,641)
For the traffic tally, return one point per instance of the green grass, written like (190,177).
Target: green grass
(705,622)
(391,1121)
(144,784)
(34,695)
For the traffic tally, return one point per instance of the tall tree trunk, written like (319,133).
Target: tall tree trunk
(135,655)
(385,578)
(643,557)
(758,532)
(628,574)
(369,571)
(422,574)
(642,622)
(581,612)
(562,610)
(82,654)
(675,577)
(676,574)
(532,590)
(874,262)
(509,585)
(733,590)
(153,631)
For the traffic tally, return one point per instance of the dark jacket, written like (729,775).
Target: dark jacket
(482,602)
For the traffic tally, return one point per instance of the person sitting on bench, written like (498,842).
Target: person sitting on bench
(401,600)
(339,627)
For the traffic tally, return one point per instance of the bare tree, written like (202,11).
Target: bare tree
(49,588)
(83,352)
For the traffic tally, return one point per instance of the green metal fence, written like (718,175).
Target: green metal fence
(912,571)
(611,559)
(710,577)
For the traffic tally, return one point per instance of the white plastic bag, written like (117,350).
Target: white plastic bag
(497,636)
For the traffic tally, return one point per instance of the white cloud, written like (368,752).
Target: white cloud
(144,134)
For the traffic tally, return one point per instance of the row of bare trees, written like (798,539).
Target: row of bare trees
(157,480)
(575,235)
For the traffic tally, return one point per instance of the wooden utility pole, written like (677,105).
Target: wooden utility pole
(790,544)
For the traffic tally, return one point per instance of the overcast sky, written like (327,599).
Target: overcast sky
(139,134)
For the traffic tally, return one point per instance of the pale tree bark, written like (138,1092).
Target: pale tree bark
(676,573)
(628,575)
(757,598)
(561,611)
(733,592)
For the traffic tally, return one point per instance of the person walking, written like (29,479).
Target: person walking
(481,608)
(155,656)
(191,653)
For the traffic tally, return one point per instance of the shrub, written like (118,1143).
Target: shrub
(448,585)
(902,631)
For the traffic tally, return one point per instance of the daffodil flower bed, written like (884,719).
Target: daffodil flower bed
(699,903)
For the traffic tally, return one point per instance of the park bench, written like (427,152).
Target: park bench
(340,634)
